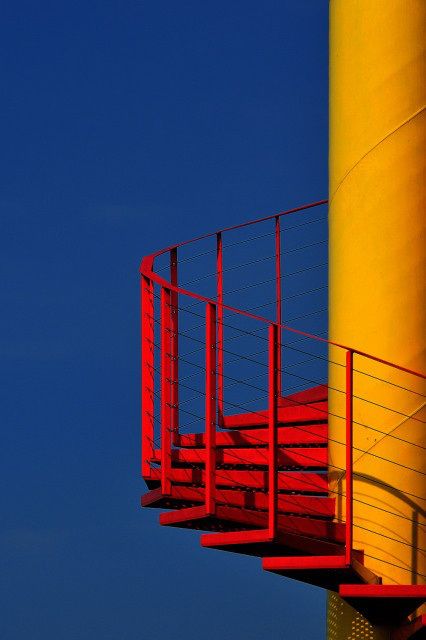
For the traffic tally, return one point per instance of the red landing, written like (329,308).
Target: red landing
(306,543)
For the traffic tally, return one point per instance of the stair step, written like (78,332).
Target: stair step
(228,518)
(308,396)
(287,435)
(327,572)
(314,412)
(258,543)
(381,603)
(303,505)
(300,481)
(303,457)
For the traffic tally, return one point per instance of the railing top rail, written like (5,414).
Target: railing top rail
(147,270)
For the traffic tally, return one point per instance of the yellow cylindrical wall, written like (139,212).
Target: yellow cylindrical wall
(377,247)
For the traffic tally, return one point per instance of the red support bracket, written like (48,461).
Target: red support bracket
(147,344)
(349,456)
(210,415)
(272,430)
(278,294)
(174,345)
(220,354)
(166,392)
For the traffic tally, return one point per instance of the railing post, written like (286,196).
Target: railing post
(272,429)
(166,396)
(147,353)
(210,411)
(278,294)
(174,346)
(349,456)
(219,298)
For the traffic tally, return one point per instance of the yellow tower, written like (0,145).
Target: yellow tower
(377,293)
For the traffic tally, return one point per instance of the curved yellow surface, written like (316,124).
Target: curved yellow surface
(377,269)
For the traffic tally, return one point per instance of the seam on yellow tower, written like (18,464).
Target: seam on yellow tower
(386,435)
(402,124)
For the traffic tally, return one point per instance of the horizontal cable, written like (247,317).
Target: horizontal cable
(237,266)
(303,246)
(238,242)
(271,280)
(397,566)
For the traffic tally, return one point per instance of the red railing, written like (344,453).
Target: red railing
(170,293)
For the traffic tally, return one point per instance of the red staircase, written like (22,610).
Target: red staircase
(257,480)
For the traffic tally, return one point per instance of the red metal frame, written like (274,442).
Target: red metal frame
(278,293)
(166,393)
(170,293)
(220,354)
(210,417)
(349,456)
(174,345)
(273,374)
(147,354)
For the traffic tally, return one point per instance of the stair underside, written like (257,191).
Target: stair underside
(189,496)
(327,572)
(384,603)
(228,518)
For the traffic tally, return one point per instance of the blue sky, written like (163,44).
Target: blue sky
(127,126)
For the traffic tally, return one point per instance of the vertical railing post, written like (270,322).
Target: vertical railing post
(349,456)
(219,298)
(278,293)
(210,409)
(166,396)
(174,346)
(273,343)
(147,353)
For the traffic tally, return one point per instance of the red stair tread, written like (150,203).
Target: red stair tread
(258,543)
(306,505)
(384,603)
(249,519)
(287,480)
(314,412)
(287,435)
(308,396)
(306,457)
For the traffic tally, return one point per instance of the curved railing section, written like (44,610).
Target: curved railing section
(235,323)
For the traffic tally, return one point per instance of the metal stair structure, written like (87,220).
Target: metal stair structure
(253,481)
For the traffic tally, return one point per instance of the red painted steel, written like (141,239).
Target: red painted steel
(147,343)
(174,369)
(166,395)
(272,428)
(305,434)
(219,311)
(297,505)
(245,478)
(314,412)
(210,403)
(349,455)
(383,591)
(290,481)
(306,457)
(278,296)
